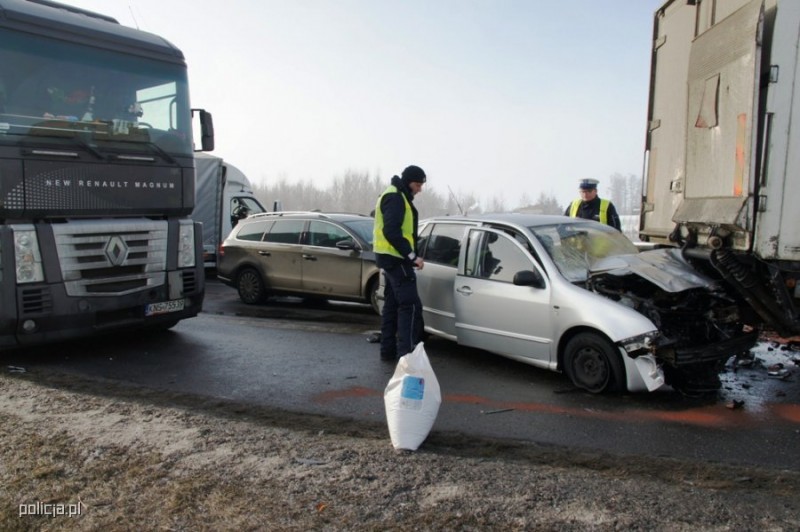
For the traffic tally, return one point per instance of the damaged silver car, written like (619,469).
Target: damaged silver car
(577,296)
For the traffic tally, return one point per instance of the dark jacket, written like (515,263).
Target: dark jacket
(590,210)
(394,210)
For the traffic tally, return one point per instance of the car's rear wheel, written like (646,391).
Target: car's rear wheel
(592,363)
(250,286)
(372,295)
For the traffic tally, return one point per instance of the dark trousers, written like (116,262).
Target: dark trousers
(401,319)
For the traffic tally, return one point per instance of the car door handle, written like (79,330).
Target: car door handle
(309,257)
(466,290)
(264,253)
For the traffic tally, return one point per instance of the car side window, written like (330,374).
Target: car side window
(253,231)
(495,257)
(444,244)
(242,207)
(523,240)
(326,234)
(285,232)
(422,240)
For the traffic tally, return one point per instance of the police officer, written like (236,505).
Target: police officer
(395,246)
(591,207)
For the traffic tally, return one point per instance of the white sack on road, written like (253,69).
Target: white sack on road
(412,400)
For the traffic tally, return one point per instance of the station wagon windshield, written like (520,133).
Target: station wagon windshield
(363,228)
(574,247)
(72,94)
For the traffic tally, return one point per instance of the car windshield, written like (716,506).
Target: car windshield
(362,228)
(575,246)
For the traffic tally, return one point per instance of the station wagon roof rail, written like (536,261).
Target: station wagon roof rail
(325,215)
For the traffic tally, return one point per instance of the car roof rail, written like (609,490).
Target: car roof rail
(285,213)
(347,213)
(325,215)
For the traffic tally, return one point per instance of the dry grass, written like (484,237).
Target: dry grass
(144,460)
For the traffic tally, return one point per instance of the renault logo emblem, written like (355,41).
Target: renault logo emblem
(116,251)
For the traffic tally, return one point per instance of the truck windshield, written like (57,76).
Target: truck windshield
(53,90)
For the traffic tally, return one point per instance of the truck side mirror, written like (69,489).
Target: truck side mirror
(206,129)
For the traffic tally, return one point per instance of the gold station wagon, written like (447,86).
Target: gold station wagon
(307,254)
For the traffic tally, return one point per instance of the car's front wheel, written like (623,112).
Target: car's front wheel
(593,364)
(250,286)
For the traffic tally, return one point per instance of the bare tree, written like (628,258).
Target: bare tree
(635,193)
(354,192)
(546,204)
(357,192)
(524,200)
(497,204)
(625,193)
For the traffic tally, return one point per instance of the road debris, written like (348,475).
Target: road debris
(16,369)
(736,404)
(309,461)
(780,374)
(499,411)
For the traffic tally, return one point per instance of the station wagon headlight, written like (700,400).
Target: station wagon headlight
(186,244)
(27,257)
(642,342)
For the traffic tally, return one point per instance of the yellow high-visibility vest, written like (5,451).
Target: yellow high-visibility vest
(573,210)
(379,242)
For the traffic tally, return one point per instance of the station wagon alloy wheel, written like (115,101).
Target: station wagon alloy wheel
(372,293)
(250,286)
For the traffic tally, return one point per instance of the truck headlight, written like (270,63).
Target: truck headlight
(186,244)
(27,257)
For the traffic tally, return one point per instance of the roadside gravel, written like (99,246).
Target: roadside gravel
(137,459)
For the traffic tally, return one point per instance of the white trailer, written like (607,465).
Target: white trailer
(722,170)
(223,196)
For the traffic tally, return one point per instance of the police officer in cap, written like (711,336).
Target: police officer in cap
(395,246)
(591,207)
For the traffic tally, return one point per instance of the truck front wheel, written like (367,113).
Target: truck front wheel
(250,286)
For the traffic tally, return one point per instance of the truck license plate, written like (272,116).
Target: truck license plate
(164,307)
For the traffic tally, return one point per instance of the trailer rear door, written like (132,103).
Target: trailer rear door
(703,112)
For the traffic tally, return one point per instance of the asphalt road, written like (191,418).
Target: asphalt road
(314,358)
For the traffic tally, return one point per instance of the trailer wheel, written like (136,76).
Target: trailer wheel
(592,363)
(250,286)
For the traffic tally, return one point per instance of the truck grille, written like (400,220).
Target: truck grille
(112,258)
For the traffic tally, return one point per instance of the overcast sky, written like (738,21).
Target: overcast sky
(491,97)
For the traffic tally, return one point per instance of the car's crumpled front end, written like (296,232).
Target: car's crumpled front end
(698,317)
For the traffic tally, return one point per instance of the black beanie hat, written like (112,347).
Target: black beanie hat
(413,174)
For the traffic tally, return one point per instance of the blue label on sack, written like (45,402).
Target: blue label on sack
(413,388)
